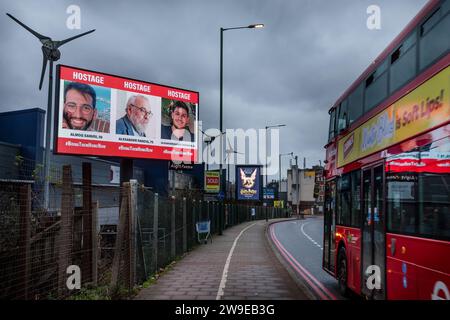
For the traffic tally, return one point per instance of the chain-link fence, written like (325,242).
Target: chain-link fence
(85,238)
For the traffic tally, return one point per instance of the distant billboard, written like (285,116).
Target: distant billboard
(268,193)
(98,114)
(278,204)
(248,185)
(212,181)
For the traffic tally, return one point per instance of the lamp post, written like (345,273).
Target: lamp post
(268,127)
(279,171)
(252,26)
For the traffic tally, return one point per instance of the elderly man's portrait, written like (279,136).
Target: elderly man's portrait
(135,114)
(86,107)
(177,120)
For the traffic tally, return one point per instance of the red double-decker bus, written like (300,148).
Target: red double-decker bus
(387,211)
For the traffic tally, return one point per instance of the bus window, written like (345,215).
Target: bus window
(403,63)
(376,87)
(332,131)
(418,191)
(434,211)
(344,197)
(434,36)
(356,198)
(355,104)
(342,117)
(434,190)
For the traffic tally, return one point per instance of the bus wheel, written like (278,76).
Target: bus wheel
(342,272)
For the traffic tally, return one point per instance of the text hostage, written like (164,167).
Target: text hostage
(120,149)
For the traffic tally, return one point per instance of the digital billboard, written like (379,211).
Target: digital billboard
(248,185)
(268,193)
(99,114)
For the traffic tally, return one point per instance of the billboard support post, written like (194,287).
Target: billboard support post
(47,139)
(126,173)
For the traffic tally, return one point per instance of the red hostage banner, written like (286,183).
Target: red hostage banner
(106,115)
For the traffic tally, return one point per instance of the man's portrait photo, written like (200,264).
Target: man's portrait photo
(136,114)
(178,120)
(86,107)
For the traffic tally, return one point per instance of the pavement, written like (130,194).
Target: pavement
(238,265)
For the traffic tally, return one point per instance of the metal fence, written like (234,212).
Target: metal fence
(39,248)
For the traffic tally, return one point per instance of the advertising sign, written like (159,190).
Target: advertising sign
(278,204)
(428,161)
(99,114)
(424,108)
(180,166)
(248,183)
(268,193)
(212,181)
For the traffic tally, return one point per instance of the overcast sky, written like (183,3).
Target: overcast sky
(290,72)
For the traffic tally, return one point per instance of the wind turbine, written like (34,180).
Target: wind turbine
(50,52)
(208,140)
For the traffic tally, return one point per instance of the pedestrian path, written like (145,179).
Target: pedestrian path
(239,265)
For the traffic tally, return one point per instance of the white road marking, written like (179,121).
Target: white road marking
(307,236)
(223,281)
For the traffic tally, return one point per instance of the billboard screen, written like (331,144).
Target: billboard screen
(248,183)
(99,114)
(212,181)
(268,193)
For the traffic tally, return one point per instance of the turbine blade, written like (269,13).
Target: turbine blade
(37,35)
(44,66)
(60,43)
(229,144)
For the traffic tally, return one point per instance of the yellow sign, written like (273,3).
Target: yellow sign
(309,174)
(424,108)
(278,204)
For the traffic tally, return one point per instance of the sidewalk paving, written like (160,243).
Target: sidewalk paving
(254,271)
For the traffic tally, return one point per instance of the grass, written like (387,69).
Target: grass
(105,292)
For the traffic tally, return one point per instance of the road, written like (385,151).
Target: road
(299,242)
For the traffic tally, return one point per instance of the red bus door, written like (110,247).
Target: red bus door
(373,234)
(329,246)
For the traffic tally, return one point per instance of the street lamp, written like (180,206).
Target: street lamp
(252,26)
(268,127)
(279,171)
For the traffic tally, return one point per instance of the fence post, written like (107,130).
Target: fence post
(172,230)
(194,205)
(120,234)
(95,243)
(24,238)
(132,226)
(65,232)
(184,226)
(86,217)
(155,231)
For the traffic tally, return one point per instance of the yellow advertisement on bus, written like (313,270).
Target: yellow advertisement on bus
(425,107)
